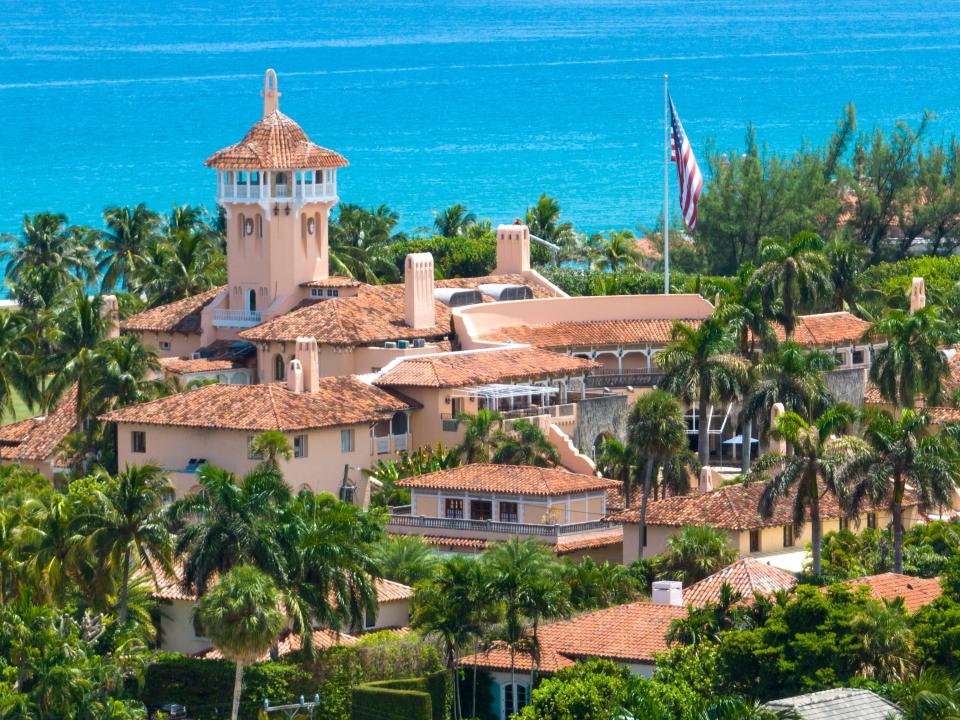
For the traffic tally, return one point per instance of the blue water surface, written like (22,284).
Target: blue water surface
(485,102)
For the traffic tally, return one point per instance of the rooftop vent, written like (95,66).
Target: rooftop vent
(457,297)
(503,291)
(668,592)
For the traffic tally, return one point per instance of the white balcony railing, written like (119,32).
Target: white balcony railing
(278,192)
(236,318)
(382,444)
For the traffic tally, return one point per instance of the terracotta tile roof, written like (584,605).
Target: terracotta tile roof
(916,592)
(291,642)
(746,576)
(43,440)
(275,142)
(477,367)
(826,329)
(374,315)
(390,591)
(456,543)
(598,332)
(732,507)
(334,281)
(183,366)
(592,541)
(182,316)
(13,434)
(632,633)
(509,479)
(341,400)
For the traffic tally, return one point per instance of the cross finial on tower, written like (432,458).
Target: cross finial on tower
(271,96)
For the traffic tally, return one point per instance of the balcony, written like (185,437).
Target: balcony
(236,318)
(279,192)
(403,519)
(564,410)
(384,444)
(623,378)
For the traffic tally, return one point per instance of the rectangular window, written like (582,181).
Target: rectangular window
(509,512)
(333,293)
(508,699)
(859,357)
(453,508)
(138,441)
(872,520)
(481,510)
(788,536)
(456,406)
(346,441)
(369,619)
(644,535)
(299,446)
(754,541)
(251,455)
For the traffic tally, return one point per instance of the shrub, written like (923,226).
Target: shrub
(413,698)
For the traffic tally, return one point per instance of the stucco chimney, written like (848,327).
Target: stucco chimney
(513,249)
(706,479)
(419,308)
(295,376)
(777,445)
(110,310)
(309,359)
(918,294)
(271,96)
(667,592)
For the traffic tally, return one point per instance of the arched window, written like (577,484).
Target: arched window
(279,368)
(508,708)
(252,300)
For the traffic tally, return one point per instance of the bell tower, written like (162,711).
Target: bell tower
(277,189)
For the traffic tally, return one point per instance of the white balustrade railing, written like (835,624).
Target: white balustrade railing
(236,318)
(279,192)
(382,444)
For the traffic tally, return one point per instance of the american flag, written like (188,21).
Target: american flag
(691,180)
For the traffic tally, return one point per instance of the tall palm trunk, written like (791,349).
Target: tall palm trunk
(125,586)
(513,677)
(815,530)
(237,684)
(476,651)
(896,512)
(703,438)
(647,475)
(747,446)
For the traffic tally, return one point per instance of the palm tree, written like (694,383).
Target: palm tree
(449,608)
(129,522)
(932,695)
(742,708)
(618,250)
(271,446)
(886,650)
(525,576)
(847,260)
(406,559)
(47,242)
(241,618)
(524,444)
(130,231)
(453,221)
(911,364)
(793,274)
(599,585)
(479,433)
(328,566)
(656,431)
(794,377)
(812,464)
(619,462)
(184,260)
(358,239)
(15,349)
(695,552)
(44,542)
(896,452)
(230,523)
(701,367)
(543,219)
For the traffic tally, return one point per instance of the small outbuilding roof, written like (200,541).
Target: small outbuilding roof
(839,704)
(747,576)
(916,592)
(509,479)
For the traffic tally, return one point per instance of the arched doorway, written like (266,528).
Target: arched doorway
(251,300)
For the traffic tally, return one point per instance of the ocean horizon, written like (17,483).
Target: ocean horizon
(485,103)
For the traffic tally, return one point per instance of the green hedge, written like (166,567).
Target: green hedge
(206,686)
(412,698)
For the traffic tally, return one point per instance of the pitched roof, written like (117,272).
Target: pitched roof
(746,576)
(589,541)
(181,316)
(509,479)
(589,332)
(45,434)
(839,704)
(390,591)
(625,633)
(340,400)
(731,507)
(826,329)
(218,355)
(375,314)
(13,434)
(185,366)
(476,367)
(291,642)
(334,281)
(275,142)
(916,592)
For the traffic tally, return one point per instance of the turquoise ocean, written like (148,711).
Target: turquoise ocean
(487,103)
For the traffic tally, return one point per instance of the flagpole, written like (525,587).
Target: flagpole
(666,188)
